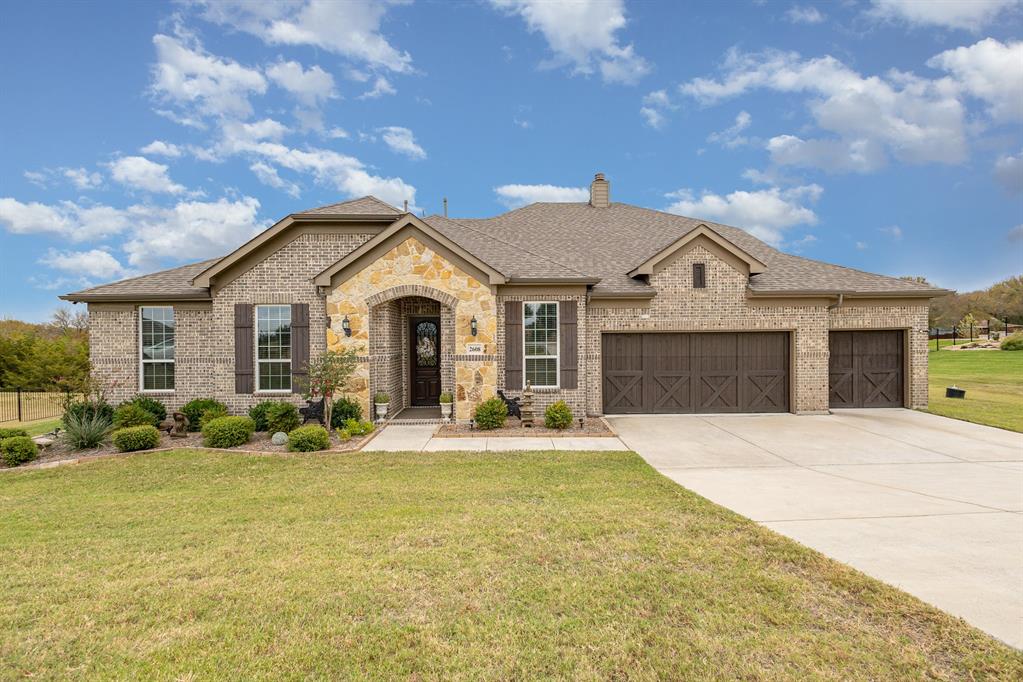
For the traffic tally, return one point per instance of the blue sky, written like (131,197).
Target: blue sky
(885,135)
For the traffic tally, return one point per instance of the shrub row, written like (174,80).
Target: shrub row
(492,414)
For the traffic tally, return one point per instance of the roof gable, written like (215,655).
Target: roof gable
(678,247)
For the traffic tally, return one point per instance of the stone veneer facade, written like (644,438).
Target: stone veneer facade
(413,278)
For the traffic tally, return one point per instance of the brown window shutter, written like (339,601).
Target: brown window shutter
(244,356)
(299,347)
(568,344)
(513,345)
(699,276)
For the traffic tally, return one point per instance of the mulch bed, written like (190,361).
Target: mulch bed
(592,426)
(260,442)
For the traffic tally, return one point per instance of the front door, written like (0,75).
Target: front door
(424,335)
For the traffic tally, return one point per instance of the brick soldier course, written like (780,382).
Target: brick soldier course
(611,268)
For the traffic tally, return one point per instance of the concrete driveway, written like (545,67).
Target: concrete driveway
(931,505)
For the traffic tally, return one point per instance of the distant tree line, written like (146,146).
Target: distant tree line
(45,356)
(1000,301)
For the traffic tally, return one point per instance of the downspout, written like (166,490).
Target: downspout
(836,304)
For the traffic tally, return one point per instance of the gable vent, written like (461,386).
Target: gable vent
(600,192)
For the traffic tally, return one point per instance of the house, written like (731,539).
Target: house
(610,307)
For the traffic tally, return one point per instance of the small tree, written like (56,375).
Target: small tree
(328,377)
(966,326)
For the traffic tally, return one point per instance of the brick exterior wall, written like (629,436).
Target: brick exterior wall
(205,335)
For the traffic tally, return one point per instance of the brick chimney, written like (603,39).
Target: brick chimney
(600,192)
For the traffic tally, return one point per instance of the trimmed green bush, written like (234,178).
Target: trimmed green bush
(193,409)
(491,414)
(150,405)
(211,414)
(227,432)
(1012,342)
(359,428)
(130,414)
(345,409)
(83,407)
(12,433)
(343,435)
(308,439)
(558,415)
(18,450)
(133,438)
(282,417)
(85,429)
(257,413)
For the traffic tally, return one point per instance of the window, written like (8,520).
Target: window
(540,327)
(156,348)
(273,347)
(699,276)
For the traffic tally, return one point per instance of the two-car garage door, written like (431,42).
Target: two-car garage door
(671,373)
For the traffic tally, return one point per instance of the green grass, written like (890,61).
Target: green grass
(993,381)
(189,565)
(34,428)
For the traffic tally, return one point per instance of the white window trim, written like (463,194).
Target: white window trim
(255,349)
(143,362)
(556,357)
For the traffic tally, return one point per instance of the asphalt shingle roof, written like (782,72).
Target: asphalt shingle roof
(569,241)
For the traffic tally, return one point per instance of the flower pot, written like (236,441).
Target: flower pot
(445,411)
(381,411)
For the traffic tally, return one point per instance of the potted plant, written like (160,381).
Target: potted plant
(446,399)
(381,400)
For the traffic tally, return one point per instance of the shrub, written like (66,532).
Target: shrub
(308,439)
(227,432)
(210,414)
(345,409)
(150,405)
(1012,342)
(257,413)
(381,398)
(133,438)
(193,409)
(446,398)
(558,415)
(80,408)
(130,414)
(343,435)
(358,428)
(12,433)
(85,429)
(18,450)
(282,417)
(491,414)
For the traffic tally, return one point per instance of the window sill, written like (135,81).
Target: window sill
(282,391)
(157,391)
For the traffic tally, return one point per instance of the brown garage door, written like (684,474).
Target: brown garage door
(865,369)
(670,373)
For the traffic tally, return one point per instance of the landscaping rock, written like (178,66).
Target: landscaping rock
(43,441)
(279,438)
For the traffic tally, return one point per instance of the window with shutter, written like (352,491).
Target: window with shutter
(699,276)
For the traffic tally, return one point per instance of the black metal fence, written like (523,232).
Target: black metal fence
(17,405)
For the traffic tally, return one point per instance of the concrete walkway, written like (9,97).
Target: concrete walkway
(419,438)
(931,505)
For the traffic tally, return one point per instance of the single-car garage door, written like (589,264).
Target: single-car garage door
(671,373)
(865,369)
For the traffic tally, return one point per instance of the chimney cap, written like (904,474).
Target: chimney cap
(598,176)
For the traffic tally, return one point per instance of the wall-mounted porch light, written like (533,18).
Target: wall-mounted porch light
(346,326)
(473,327)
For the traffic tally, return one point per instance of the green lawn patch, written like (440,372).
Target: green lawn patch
(193,565)
(993,381)
(34,428)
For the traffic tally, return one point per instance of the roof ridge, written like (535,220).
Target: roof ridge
(349,201)
(150,274)
(517,246)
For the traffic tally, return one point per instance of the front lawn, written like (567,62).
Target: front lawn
(194,565)
(993,381)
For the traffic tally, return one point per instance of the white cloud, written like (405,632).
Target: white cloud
(653,117)
(730,137)
(381,87)
(1009,172)
(893,231)
(764,213)
(971,15)
(401,141)
(338,133)
(201,83)
(83,179)
(862,246)
(350,29)
(582,34)
(92,263)
(268,175)
(809,14)
(914,119)
(161,148)
(66,219)
(139,172)
(990,71)
(656,104)
(37,178)
(1016,233)
(310,86)
(514,196)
